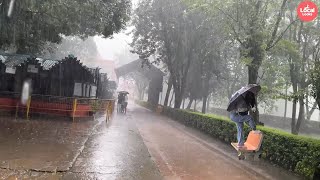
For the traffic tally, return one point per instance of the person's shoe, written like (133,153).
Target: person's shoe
(240,146)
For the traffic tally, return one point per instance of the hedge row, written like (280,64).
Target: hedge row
(295,153)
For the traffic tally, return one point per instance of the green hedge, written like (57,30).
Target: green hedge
(295,153)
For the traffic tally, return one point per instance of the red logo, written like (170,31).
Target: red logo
(307,11)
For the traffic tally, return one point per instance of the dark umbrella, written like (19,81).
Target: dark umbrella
(240,94)
(123,92)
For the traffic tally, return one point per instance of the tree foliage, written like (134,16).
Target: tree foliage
(164,29)
(234,42)
(185,41)
(35,22)
(83,49)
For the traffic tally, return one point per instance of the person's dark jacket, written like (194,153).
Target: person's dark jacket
(250,100)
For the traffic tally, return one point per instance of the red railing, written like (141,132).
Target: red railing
(55,105)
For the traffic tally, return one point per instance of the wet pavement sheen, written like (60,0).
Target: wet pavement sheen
(96,149)
(120,149)
(188,154)
(115,151)
(44,146)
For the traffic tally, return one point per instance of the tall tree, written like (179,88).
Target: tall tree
(254,24)
(301,49)
(164,28)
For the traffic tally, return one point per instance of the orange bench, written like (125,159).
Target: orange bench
(252,145)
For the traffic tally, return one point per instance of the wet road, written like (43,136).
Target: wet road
(40,148)
(80,150)
(139,145)
(115,151)
(185,153)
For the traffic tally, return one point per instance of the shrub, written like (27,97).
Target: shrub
(295,153)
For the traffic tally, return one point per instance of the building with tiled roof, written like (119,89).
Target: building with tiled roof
(49,77)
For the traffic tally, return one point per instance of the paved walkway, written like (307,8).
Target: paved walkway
(114,151)
(79,150)
(138,146)
(185,153)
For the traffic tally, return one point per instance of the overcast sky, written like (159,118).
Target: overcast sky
(109,48)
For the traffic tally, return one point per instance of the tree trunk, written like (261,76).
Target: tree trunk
(178,100)
(285,104)
(295,99)
(160,100)
(190,103)
(256,53)
(208,103)
(309,113)
(195,105)
(252,74)
(166,99)
(183,102)
(301,115)
(171,99)
(253,77)
(204,104)
(307,107)
(293,118)
(293,77)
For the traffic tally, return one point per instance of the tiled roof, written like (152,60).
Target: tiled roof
(47,63)
(15,60)
(12,60)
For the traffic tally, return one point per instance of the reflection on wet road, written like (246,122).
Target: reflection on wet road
(184,153)
(34,147)
(80,150)
(120,149)
(115,151)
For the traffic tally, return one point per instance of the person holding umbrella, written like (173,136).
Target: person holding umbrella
(123,101)
(240,104)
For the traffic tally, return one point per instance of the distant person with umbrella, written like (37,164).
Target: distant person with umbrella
(240,104)
(123,101)
(120,101)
